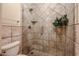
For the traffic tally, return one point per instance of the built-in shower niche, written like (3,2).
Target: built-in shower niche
(43,36)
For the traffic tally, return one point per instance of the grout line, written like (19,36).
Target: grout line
(10,36)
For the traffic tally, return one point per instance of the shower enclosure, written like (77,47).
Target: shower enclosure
(39,34)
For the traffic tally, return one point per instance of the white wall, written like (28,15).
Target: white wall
(11,13)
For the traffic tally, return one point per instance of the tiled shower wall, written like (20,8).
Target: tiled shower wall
(0,28)
(77,30)
(38,31)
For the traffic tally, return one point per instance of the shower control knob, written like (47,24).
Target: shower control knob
(3,51)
